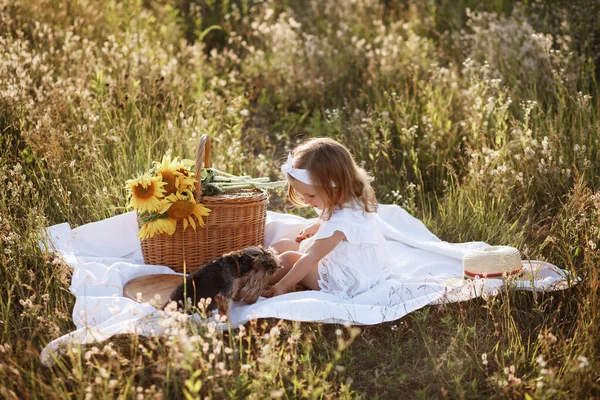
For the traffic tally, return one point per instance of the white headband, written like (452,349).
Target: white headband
(301,174)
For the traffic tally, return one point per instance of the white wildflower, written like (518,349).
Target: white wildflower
(583,362)
(540,360)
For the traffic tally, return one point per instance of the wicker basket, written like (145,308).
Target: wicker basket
(237,220)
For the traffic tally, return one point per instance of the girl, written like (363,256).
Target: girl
(343,253)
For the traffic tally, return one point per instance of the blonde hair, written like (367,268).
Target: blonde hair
(334,174)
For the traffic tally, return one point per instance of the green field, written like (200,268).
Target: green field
(482,119)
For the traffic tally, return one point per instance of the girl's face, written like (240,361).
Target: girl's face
(308,193)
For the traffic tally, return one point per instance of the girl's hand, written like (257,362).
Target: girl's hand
(275,290)
(307,232)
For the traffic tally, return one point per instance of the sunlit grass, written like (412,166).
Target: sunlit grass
(484,123)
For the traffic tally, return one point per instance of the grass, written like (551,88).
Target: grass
(479,118)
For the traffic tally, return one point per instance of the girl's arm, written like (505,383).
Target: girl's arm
(319,249)
(308,231)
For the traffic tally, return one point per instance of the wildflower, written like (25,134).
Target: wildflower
(245,367)
(539,384)
(540,361)
(484,360)
(583,362)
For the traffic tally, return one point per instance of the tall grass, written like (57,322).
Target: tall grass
(481,119)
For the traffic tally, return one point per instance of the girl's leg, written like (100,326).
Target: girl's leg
(310,281)
(284,245)
(288,259)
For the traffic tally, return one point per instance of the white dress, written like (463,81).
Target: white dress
(357,263)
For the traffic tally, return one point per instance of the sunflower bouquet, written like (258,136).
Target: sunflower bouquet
(164,196)
(226,212)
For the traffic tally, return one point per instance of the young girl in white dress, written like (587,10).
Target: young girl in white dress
(343,253)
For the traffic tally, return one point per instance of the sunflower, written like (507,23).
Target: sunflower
(145,192)
(168,175)
(182,206)
(187,176)
(156,226)
(174,174)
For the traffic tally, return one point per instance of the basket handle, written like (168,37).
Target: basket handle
(202,160)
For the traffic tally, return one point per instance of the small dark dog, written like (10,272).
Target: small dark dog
(241,275)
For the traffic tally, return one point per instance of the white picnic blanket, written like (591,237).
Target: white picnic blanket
(105,255)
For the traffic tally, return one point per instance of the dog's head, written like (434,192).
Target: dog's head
(264,263)
(263,260)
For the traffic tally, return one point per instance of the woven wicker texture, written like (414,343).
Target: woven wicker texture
(237,220)
(492,262)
